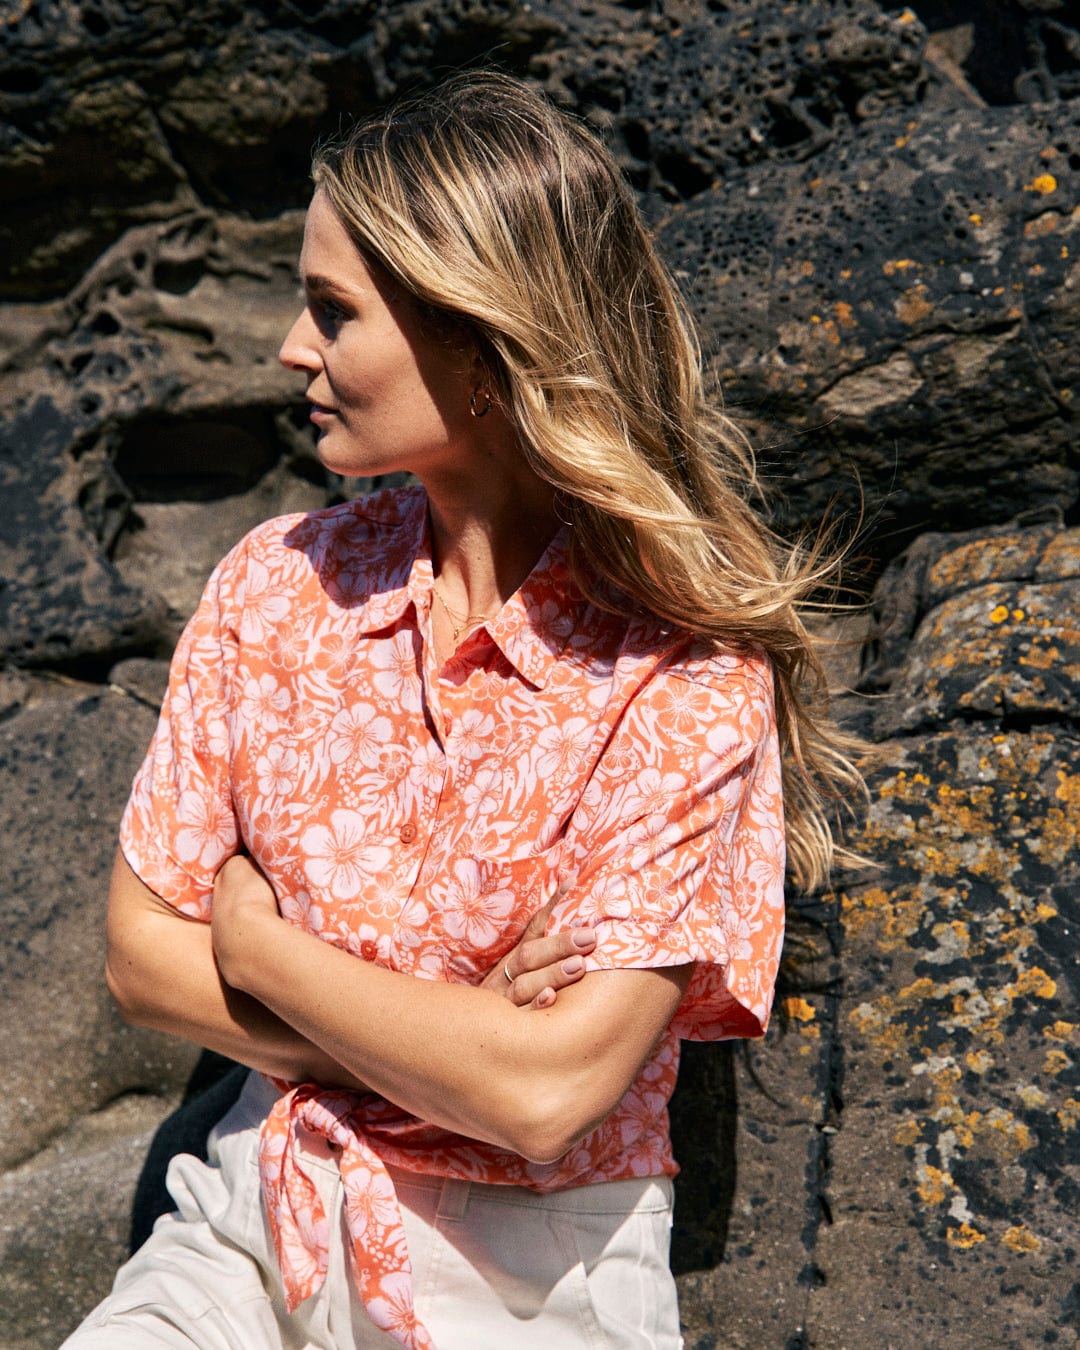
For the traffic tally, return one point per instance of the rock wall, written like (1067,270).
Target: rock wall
(874,214)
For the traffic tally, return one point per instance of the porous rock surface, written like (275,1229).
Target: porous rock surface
(873,212)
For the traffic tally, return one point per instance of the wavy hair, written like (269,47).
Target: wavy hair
(499,212)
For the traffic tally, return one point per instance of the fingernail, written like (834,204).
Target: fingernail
(572,965)
(584,937)
(545,998)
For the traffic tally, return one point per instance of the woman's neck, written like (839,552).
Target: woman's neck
(485,541)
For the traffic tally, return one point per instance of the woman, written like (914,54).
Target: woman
(559,677)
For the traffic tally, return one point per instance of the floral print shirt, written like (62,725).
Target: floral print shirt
(417,816)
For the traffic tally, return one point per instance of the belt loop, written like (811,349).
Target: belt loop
(454,1200)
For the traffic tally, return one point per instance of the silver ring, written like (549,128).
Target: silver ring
(506,971)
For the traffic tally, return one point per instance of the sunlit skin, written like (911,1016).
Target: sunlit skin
(385,395)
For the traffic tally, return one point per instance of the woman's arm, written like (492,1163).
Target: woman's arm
(461,1057)
(161,970)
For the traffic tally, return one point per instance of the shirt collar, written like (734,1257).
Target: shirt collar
(533,627)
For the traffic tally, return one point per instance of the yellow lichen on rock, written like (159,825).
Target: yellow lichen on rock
(797,1009)
(964,1237)
(1020,1239)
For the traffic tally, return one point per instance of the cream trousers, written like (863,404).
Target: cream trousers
(494,1267)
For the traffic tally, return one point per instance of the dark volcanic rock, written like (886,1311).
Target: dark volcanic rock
(61,603)
(951,1169)
(908,302)
(996,633)
(67,757)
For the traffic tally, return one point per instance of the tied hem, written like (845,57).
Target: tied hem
(298,1222)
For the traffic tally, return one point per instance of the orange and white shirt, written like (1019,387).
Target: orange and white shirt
(417,816)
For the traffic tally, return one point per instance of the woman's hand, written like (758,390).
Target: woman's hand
(539,966)
(243,901)
(533,973)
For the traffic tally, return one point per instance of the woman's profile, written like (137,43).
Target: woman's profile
(468,800)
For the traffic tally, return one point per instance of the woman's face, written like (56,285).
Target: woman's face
(385,394)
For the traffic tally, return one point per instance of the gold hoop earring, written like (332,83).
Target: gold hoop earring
(485,392)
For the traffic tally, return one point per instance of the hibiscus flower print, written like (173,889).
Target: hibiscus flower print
(682,707)
(563,746)
(339,858)
(334,656)
(207,830)
(273,832)
(261,601)
(470,734)
(395,675)
(358,735)
(276,769)
(653,791)
(736,934)
(477,908)
(262,704)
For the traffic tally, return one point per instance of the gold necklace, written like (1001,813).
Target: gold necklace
(460,623)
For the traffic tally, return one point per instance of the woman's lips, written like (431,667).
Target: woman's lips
(320,414)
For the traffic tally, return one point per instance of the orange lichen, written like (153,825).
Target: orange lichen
(999,614)
(798,1009)
(920,988)
(964,1237)
(1069,1115)
(1060,1031)
(844,314)
(907,1134)
(913,306)
(1032,1097)
(934,1189)
(1068,788)
(1034,981)
(1044,184)
(1020,1240)
(894,265)
(1042,225)
(1055,1062)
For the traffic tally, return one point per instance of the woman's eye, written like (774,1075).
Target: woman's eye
(328,314)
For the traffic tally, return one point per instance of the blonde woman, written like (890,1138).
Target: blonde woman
(565,675)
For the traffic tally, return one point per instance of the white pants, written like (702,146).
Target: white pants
(493,1266)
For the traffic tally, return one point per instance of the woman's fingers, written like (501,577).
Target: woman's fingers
(539,967)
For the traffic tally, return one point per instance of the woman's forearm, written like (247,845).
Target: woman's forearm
(463,1058)
(160,969)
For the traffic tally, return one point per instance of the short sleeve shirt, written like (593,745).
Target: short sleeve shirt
(417,816)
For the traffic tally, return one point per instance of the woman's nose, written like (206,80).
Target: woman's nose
(298,351)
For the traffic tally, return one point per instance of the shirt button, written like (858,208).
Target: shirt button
(368,950)
(407,833)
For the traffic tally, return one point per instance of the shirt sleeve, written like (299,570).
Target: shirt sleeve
(676,850)
(179,825)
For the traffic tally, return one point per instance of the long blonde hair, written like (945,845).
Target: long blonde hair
(499,212)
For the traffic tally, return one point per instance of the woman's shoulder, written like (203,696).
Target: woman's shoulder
(381,521)
(725,668)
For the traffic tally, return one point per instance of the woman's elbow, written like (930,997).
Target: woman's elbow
(123,994)
(547,1125)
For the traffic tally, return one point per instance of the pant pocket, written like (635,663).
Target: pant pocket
(503,1275)
(630,1284)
